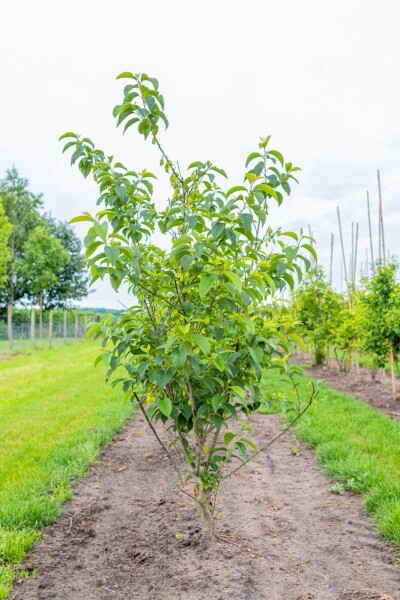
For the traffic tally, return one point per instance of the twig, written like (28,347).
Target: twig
(163,446)
(293,422)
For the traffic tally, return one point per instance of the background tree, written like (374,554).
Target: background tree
(318,308)
(22,210)
(348,336)
(5,232)
(44,259)
(381,298)
(73,279)
(192,349)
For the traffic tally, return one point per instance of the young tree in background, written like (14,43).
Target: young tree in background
(44,259)
(382,310)
(317,306)
(22,210)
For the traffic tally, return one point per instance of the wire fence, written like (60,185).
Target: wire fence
(56,328)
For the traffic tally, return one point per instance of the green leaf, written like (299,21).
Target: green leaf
(82,218)
(217,421)
(291,234)
(202,342)
(270,282)
(206,284)
(112,253)
(237,282)
(228,437)
(236,188)
(161,377)
(126,75)
(217,229)
(101,229)
(246,219)
(178,357)
(277,155)
(311,250)
(217,401)
(296,338)
(261,213)
(238,391)
(186,261)
(256,354)
(130,123)
(219,171)
(251,157)
(196,164)
(69,134)
(264,187)
(165,406)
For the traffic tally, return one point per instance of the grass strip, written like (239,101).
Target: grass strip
(56,414)
(357,446)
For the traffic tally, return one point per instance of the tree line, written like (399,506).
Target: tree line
(41,263)
(363,320)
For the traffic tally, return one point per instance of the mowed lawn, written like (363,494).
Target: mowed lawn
(56,413)
(356,445)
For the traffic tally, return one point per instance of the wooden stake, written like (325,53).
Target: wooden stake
(344,258)
(76,325)
(392,361)
(381,230)
(10,325)
(352,254)
(33,325)
(370,235)
(50,327)
(65,325)
(355,257)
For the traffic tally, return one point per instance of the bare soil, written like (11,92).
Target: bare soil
(285,534)
(375,392)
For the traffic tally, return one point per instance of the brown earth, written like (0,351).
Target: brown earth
(285,535)
(375,392)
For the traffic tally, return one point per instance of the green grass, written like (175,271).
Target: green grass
(24,346)
(56,413)
(357,446)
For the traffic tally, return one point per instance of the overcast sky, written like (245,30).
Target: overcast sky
(322,77)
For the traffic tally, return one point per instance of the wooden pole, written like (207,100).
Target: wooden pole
(341,276)
(392,362)
(50,327)
(331,265)
(352,254)
(370,234)
(381,230)
(310,233)
(10,325)
(343,255)
(355,257)
(85,322)
(65,326)
(33,325)
(76,325)
(41,314)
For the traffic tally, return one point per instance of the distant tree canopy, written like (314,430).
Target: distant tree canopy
(73,279)
(5,254)
(40,258)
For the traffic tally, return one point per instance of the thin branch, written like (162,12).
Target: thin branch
(163,446)
(291,424)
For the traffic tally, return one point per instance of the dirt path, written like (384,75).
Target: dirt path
(297,540)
